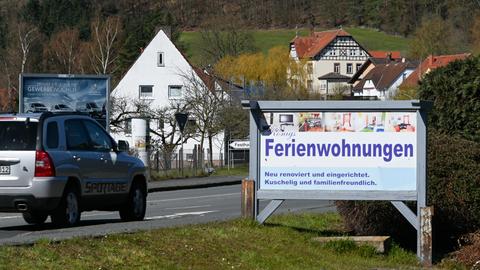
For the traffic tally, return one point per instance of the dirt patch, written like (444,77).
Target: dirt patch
(469,252)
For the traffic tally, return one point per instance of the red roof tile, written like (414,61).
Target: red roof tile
(311,45)
(431,62)
(384,54)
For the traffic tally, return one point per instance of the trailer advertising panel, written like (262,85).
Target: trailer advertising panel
(66,93)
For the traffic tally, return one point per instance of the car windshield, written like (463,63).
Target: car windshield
(37,105)
(61,106)
(17,135)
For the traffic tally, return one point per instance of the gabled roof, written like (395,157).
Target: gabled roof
(380,61)
(334,77)
(383,75)
(431,62)
(310,46)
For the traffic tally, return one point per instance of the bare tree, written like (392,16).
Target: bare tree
(103,47)
(222,37)
(205,101)
(27,34)
(65,50)
(164,127)
(123,109)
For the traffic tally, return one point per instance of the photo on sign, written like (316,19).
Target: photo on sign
(342,121)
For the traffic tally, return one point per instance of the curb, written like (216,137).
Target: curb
(194,186)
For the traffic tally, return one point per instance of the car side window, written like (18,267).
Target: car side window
(99,139)
(76,135)
(52,135)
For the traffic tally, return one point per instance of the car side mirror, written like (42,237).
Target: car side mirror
(123,146)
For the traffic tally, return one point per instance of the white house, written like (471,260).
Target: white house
(383,80)
(158,78)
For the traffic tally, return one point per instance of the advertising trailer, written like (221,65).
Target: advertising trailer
(87,94)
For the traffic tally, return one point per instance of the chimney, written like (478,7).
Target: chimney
(166,29)
(403,59)
(389,56)
(430,59)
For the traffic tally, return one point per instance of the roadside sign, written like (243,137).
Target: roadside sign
(342,150)
(181,120)
(240,145)
(66,93)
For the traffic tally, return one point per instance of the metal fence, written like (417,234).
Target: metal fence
(189,159)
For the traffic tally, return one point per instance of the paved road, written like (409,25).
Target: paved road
(164,209)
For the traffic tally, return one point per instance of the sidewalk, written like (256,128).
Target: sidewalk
(197,182)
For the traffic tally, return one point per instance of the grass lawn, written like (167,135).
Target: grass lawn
(266,39)
(285,242)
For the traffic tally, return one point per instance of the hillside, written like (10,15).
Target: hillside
(266,39)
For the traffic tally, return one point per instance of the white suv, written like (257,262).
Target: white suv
(61,164)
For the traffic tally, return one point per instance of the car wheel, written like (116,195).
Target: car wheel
(68,212)
(35,218)
(135,207)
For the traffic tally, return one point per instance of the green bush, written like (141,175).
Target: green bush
(453,189)
(455,91)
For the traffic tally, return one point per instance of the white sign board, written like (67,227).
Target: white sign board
(240,145)
(333,151)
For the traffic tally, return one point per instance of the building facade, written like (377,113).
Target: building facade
(159,78)
(326,52)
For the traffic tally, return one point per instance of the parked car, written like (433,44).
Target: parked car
(61,108)
(89,107)
(36,107)
(59,165)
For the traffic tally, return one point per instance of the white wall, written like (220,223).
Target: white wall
(145,71)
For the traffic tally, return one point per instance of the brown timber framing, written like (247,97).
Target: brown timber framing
(420,221)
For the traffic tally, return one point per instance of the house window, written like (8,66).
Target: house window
(310,85)
(336,67)
(353,52)
(146,91)
(174,91)
(358,66)
(349,68)
(160,59)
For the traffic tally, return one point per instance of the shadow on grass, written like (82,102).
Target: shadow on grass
(317,232)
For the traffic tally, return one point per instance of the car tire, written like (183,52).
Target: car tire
(136,205)
(34,217)
(68,212)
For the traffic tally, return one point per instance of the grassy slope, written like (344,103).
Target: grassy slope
(284,243)
(266,39)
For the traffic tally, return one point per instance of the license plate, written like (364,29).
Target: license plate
(4,169)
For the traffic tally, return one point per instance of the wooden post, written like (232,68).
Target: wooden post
(248,199)
(426,214)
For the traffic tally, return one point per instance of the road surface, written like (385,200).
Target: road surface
(164,209)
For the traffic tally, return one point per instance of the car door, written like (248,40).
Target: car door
(113,177)
(81,154)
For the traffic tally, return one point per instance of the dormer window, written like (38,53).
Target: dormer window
(160,59)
